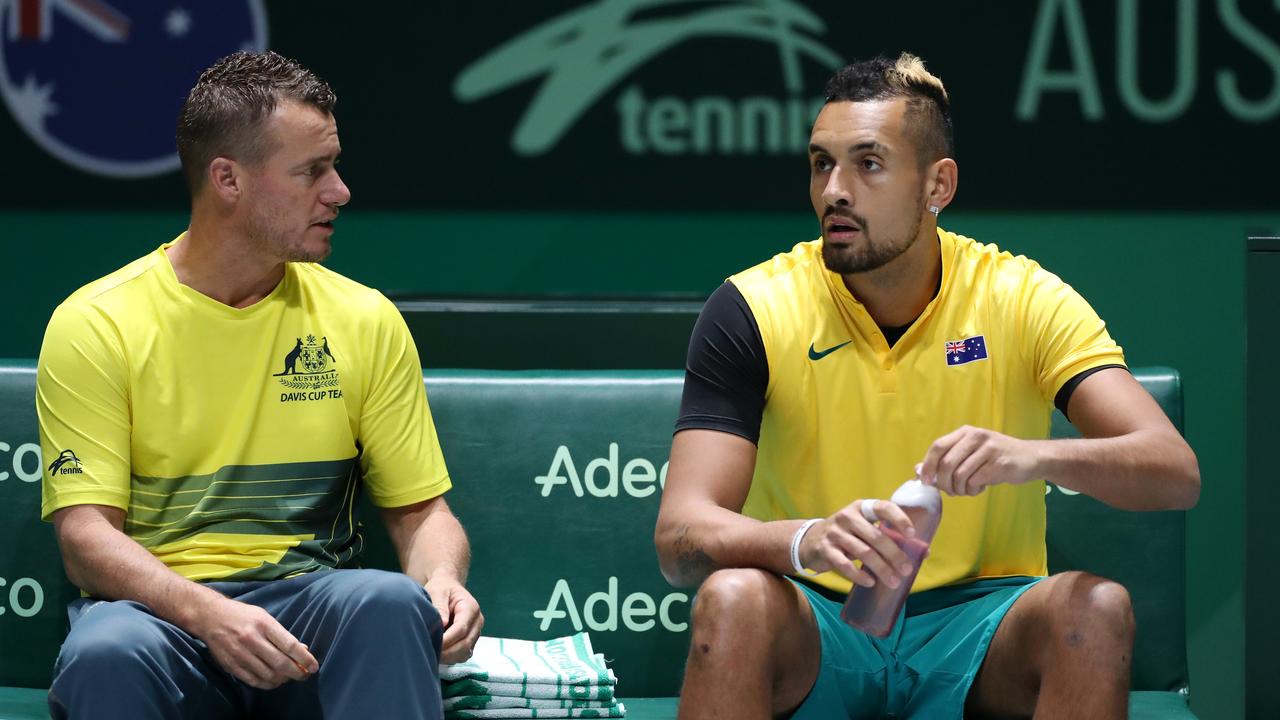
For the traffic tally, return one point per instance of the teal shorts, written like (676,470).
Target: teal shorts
(924,668)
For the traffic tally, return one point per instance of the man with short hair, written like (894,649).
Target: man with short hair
(215,408)
(820,380)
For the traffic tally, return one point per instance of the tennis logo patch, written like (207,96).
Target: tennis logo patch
(968,350)
(66,464)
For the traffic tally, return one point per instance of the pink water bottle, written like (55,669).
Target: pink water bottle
(874,610)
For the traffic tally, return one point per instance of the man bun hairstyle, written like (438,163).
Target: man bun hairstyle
(928,113)
(224,113)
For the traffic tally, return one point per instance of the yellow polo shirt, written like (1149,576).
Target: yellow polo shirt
(235,440)
(991,350)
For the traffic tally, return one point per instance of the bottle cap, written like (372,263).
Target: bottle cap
(914,493)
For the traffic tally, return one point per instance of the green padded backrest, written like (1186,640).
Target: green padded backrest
(556,480)
(1145,552)
(34,592)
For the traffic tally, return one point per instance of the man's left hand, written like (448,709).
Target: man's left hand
(966,461)
(460,614)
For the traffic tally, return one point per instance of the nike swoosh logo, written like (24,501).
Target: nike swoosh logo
(819,354)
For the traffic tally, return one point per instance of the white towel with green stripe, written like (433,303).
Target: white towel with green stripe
(616,711)
(562,661)
(492,702)
(548,691)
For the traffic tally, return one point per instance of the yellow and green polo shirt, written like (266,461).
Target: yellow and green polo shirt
(235,440)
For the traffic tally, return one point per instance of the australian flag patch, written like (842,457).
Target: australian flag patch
(967,350)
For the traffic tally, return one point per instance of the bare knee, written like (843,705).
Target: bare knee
(732,596)
(1109,602)
(1093,614)
(1104,605)
(740,602)
(754,646)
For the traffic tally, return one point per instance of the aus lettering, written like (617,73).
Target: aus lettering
(311,395)
(24,461)
(26,597)
(601,476)
(639,611)
(1066,19)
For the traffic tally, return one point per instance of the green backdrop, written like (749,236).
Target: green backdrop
(585,171)
(1171,287)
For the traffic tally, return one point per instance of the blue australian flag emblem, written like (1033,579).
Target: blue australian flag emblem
(98,83)
(967,350)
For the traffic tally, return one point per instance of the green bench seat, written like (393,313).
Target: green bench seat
(557,478)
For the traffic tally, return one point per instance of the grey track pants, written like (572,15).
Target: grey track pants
(375,634)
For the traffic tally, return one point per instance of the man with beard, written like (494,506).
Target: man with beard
(820,380)
(208,513)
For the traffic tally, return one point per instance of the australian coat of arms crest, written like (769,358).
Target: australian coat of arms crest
(309,365)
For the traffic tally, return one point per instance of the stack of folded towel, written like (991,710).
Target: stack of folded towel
(560,678)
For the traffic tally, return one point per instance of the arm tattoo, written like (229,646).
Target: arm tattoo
(691,560)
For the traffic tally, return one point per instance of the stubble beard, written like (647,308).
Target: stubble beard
(870,254)
(272,239)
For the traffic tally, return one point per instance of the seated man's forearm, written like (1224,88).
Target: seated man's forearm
(693,545)
(1144,470)
(429,540)
(1132,458)
(104,562)
(440,546)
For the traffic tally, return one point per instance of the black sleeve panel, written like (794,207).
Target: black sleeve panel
(726,373)
(1064,395)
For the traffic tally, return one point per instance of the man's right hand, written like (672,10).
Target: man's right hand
(251,645)
(836,542)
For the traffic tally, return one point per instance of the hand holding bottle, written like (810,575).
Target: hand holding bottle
(874,609)
(851,534)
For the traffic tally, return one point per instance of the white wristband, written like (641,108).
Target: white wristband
(795,548)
